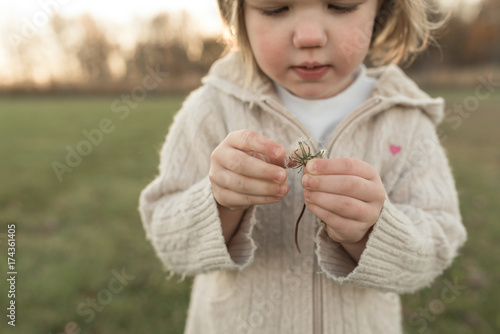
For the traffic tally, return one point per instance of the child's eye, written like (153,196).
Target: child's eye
(343,8)
(274,11)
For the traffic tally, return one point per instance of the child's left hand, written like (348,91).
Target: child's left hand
(345,193)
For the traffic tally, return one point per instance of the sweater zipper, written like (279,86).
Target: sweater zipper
(351,119)
(317,278)
(317,298)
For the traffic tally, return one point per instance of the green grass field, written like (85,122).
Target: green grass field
(84,265)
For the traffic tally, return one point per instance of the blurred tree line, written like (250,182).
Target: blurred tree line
(467,41)
(477,42)
(87,55)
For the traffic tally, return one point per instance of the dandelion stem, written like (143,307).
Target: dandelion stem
(297,227)
(301,161)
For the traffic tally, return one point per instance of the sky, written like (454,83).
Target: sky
(118,10)
(12,13)
(24,17)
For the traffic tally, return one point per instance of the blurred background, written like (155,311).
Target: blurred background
(87,93)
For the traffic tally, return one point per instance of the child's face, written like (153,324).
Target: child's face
(311,47)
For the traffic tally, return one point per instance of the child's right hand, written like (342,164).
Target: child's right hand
(247,169)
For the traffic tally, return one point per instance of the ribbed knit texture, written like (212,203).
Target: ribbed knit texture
(259,283)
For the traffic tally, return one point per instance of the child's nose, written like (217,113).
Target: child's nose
(309,34)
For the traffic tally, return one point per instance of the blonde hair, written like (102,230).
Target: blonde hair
(402,30)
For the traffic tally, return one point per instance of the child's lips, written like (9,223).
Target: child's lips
(311,72)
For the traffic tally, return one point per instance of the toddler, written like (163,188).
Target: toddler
(382,212)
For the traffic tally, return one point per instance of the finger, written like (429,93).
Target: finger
(348,238)
(342,166)
(340,229)
(344,206)
(347,185)
(234,200)
(248,141)
(244,164)
(247,185)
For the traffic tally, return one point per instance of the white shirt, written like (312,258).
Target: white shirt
(321,117)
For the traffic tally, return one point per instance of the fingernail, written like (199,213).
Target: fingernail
(306,181)
(311,166)
(277,152)
(280,176)
(307,194)
(283,189)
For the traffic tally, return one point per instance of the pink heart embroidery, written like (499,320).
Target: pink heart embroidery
(395,149)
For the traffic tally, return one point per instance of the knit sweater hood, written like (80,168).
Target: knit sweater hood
(258,282)
(394,87)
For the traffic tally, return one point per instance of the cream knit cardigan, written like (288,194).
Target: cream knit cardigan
(259,283)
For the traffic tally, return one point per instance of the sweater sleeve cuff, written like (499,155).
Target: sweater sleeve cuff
(213,254)
(387,260)
(242,247)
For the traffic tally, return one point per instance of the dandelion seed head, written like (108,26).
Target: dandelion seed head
(300,153)
(292,148)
